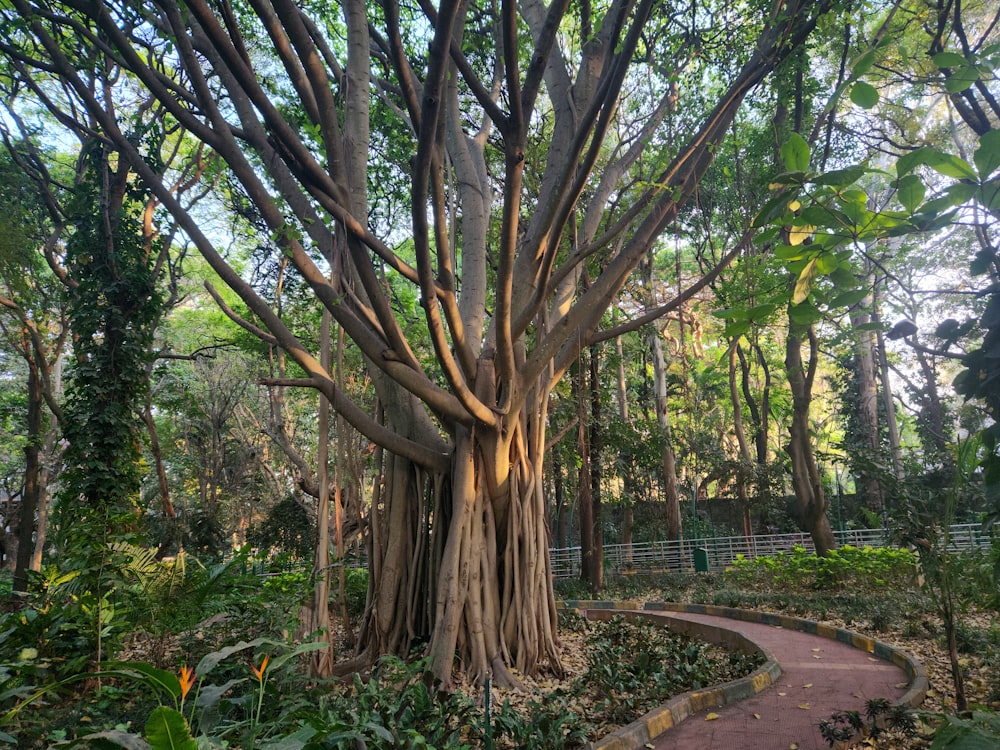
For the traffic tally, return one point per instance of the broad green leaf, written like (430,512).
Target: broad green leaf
(843,279)
(946,164)
(210,661)
(148,673)
(759,312)
(910,191)
(804,283)
(295,741)
(853,195)
(167,729)
(948,59)
(729,313)
(736,328)
(795,153)
(960,79)
(863,64)
(798,235)
(209,695)
(841,177)
(788,252)
(987,156)
(826,263)
(849,299)
(864,95)
(804,314)
(774,208)
(989,196)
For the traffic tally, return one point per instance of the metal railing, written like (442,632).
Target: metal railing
(678,555)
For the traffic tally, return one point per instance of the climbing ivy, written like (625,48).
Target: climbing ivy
(114,306)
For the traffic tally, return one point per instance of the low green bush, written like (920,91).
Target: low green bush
(842,568)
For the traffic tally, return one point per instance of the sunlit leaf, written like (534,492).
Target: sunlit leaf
(946,164)
(841,177)
(960,79)
(798,235)
(987,156)
(826,263)
(864,95)
(910,191)
(804,283)
(948,59)
(795,153)
(863,64)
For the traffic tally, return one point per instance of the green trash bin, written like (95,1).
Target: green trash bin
(700,560)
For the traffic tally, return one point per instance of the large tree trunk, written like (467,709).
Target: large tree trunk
(810,500)
(32,499)
(476,581)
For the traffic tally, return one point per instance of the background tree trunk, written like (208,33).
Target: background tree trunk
(810,500)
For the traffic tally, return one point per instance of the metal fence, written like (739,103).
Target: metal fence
(721,551)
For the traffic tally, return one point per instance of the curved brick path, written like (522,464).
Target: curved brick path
(821,674)
(823,670)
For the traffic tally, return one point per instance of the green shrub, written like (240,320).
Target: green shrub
(847,566)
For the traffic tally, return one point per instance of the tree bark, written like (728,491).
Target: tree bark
(668,461)
(32,498)
(811,504)
(866,390)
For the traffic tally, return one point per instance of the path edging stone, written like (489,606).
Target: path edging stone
(634,736)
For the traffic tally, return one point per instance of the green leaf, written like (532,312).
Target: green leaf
(736,328)
(849,299)
(987,156)
(294,741)
(960,79)
(826,263)
(841,177)
(804,314)
(863,64)
(729,313)
(910,191)
(772,209)
(759,312)
(948,59)
(864,95)
(946,164)
(795,153)
(167,729)
(789,252)
(804,283)
(158,678)
(210,661)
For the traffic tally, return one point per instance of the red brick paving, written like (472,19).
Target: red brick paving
(819,676)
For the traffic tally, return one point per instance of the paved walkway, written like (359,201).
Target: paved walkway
(818,677)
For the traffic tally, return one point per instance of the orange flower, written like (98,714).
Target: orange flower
(186,680)
(259,673)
